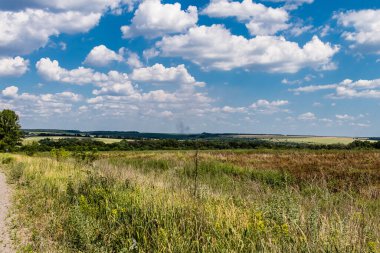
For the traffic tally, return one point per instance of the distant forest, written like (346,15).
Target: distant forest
(87,144)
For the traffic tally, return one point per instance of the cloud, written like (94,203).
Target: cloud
(293,4)
(347,92)
(153,19)
(116,95)
(366,28)
(299,29)
(158,73)
(133,60)
(307,78)
(214,47)
(24,31)
(261,106)
(67,5)
(259,19)
(116,83)
(150,53)
(52,71)
(309,116)
(269,107)
(313,88)
(115,91)
(28,25)
(42,105)
(102,56)
(112,83)
(344,117)
(229,109)
(10,92)
(346,89)
(16,66)
(360,124)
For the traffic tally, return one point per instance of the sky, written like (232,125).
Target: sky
(273,66)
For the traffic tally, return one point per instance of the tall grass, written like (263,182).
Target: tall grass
(246,202)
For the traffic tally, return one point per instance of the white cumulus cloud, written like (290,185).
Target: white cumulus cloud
(102,56)
(214,47)
(308,116)
(41,105)
(366,28)
(269,107)
(153,19)
(16,66)
(24,31)
(259,19)
(158,73)
(28,25)
(52,71)
(10,91)
(133,60)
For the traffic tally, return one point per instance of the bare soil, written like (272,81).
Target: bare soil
(5,202)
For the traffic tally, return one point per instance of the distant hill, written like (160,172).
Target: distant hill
(135,135)
(123,134)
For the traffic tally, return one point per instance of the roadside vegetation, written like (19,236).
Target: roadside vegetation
(213,201)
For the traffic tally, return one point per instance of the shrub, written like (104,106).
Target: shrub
(59,154)
(86,157)
(7,160)
(16,171)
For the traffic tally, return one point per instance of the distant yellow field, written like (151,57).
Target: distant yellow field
(29,140)
(301,139)
(316,140)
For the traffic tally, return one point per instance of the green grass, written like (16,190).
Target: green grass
(242,201)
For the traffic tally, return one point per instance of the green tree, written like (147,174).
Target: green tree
(10,130)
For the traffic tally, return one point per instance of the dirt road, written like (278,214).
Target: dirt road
(5,242)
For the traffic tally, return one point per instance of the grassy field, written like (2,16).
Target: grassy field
(235,201)
(316,140)
(274,138)
(30,140)
(301,139)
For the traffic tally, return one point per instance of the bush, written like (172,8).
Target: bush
(7,160)
(30,150)
(16,172)
(59,154)
(86,157)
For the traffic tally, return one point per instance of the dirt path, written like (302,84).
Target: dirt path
(5,242)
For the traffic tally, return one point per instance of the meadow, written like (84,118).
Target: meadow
(207,201)
(324,140)
(315,140)
(29,140)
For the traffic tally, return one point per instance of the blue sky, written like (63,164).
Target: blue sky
(274,66)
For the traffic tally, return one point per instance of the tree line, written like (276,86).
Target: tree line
(11,137)
(75,144)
